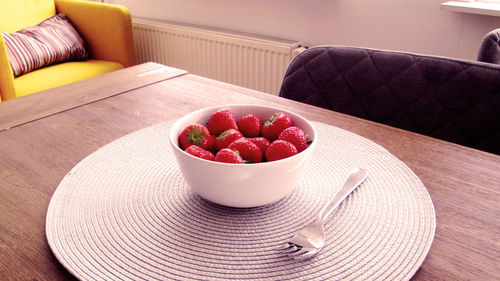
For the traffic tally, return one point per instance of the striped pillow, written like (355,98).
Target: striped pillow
(53,40)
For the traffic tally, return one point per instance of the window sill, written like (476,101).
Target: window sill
(480,8)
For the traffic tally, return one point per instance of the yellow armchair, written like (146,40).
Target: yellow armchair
(105,28)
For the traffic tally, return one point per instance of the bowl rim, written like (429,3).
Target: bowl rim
(175,145)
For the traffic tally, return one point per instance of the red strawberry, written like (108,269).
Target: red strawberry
(248,150)
(296,136)
(262,143)
(194,134)
(275,125)
(280,149)
(211,144)
(200,152)
(226,138)
(221,121)
(250,125)
(227,155)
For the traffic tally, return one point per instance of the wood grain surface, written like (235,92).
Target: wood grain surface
(35,155)
(32,107)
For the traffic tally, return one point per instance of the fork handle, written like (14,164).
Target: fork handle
(356,177)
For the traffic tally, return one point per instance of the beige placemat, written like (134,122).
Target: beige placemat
(125,212)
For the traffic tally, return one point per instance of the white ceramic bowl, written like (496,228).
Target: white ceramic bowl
(242,185)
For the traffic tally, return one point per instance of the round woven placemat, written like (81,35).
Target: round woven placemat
(125,213)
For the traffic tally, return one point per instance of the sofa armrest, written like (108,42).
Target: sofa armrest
(106,29)
(6,75)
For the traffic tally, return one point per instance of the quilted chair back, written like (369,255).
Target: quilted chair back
(490,48)
(449,99)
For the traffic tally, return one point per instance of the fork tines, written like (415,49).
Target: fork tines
(297,252)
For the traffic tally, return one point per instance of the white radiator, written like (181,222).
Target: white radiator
(250,61)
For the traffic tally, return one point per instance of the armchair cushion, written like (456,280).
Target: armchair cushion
(53,40)
(51,76)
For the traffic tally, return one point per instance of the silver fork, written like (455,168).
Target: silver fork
(309,241)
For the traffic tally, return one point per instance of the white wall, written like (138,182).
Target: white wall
(415,26)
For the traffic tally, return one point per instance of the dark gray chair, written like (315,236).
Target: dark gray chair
(450,99)
(490,48)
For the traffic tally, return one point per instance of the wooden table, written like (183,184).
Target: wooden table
(42,136)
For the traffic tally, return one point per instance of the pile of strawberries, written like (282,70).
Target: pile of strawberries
(247,140)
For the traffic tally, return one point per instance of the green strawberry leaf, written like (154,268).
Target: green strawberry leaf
(225,134)
(196,135)
(271,120)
